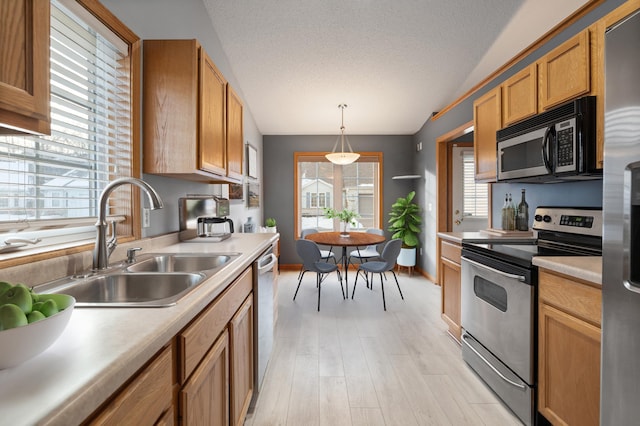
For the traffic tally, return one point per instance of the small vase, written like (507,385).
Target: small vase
(345,229)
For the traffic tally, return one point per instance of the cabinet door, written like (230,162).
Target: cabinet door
(569,368)
(24,65)
(487,119)
(564,73)
(146,399)
(213,136)
(241,330)
(519,96)
(235,144)
(451,296)
(204,400)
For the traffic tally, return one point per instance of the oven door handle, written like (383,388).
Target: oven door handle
(497,271)
(495,370)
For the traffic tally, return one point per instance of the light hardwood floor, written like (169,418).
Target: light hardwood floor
(354,364)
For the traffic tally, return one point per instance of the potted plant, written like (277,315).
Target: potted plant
(346,216)
(270,224)
(405,223)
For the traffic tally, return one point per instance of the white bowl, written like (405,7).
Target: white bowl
(23,343)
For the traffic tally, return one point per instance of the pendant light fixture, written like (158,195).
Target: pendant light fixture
(342,157)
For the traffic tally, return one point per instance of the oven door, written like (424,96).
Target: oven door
(498,310)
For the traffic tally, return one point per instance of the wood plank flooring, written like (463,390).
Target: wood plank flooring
(352,363)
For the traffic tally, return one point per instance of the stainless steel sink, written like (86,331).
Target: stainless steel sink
(130,290)
(179,262)
(154,280)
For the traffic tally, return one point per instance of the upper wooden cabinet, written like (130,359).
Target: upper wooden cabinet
(519,96)
(564,73)
(487,119)
(24,66)
(185,115)
(235,144)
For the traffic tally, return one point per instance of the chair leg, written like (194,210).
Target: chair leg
(355,284)
(384,303)
(319,286)
(396,278)
(341,286)
(299,281)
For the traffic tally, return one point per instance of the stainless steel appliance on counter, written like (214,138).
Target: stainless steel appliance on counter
(499,301)
(556,145)
(204,216)
(620,373)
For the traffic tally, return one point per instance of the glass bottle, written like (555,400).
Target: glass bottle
(511,215)
(522,218)
(505,206)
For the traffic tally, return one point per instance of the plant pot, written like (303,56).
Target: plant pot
(272,229)
(407,257)
(344,229)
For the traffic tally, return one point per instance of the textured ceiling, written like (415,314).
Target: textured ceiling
(393,62)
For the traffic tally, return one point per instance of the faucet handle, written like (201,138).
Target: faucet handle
(131,254)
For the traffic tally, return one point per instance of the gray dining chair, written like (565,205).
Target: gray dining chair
(369,252)
(326,254)
(386,263)
(312,262)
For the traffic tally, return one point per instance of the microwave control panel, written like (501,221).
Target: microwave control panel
(565,145)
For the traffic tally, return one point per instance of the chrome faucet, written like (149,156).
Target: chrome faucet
(101,252)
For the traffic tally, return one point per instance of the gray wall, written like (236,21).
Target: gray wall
(185,19)
(559,194)
(279,171)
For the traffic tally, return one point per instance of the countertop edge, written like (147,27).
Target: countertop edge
(586,268)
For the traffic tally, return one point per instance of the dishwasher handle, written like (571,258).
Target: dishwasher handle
(495,370)
(263,268)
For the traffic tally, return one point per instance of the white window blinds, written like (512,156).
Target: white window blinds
(57,179)
(475,195)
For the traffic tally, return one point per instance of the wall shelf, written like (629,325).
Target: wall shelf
(406,177)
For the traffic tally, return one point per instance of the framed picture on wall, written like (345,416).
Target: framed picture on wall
(253,195)
(236,191)
(252,162)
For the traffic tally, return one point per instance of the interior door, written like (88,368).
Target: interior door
(471,217)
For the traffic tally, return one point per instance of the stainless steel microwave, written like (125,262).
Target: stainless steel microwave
(556,145)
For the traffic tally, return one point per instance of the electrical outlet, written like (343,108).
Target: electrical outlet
(419,146)
(146,217)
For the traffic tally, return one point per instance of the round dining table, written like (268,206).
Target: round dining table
(353,239)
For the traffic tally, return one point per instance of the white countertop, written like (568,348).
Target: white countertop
(102,347)
(587,268)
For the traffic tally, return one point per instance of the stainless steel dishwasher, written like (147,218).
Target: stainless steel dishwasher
(263,270)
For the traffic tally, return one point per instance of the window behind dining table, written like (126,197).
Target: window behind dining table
(320,184)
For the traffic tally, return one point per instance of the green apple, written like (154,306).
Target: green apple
(49,308)
(12,316)
(34,316)
(62,300)
(19,296)
(4,286)
(36,306)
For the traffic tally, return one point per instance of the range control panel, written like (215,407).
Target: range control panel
(576,220)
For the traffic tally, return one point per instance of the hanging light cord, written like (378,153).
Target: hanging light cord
(342,136)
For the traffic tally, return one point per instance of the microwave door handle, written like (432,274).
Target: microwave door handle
(545,148)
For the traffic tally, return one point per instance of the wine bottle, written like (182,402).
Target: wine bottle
(522,218)
(505,206)
(511,215)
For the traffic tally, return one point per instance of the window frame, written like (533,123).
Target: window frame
(131,228)
(300,156)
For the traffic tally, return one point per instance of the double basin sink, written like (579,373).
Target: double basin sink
(153,280)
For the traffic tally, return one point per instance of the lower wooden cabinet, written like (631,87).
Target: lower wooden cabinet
(450,254)
(204,400)
(569,341)
(146,400)
(241,330)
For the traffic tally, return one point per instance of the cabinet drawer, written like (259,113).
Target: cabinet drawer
(145,399)
(451,251)
(199,336)
(572,296)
